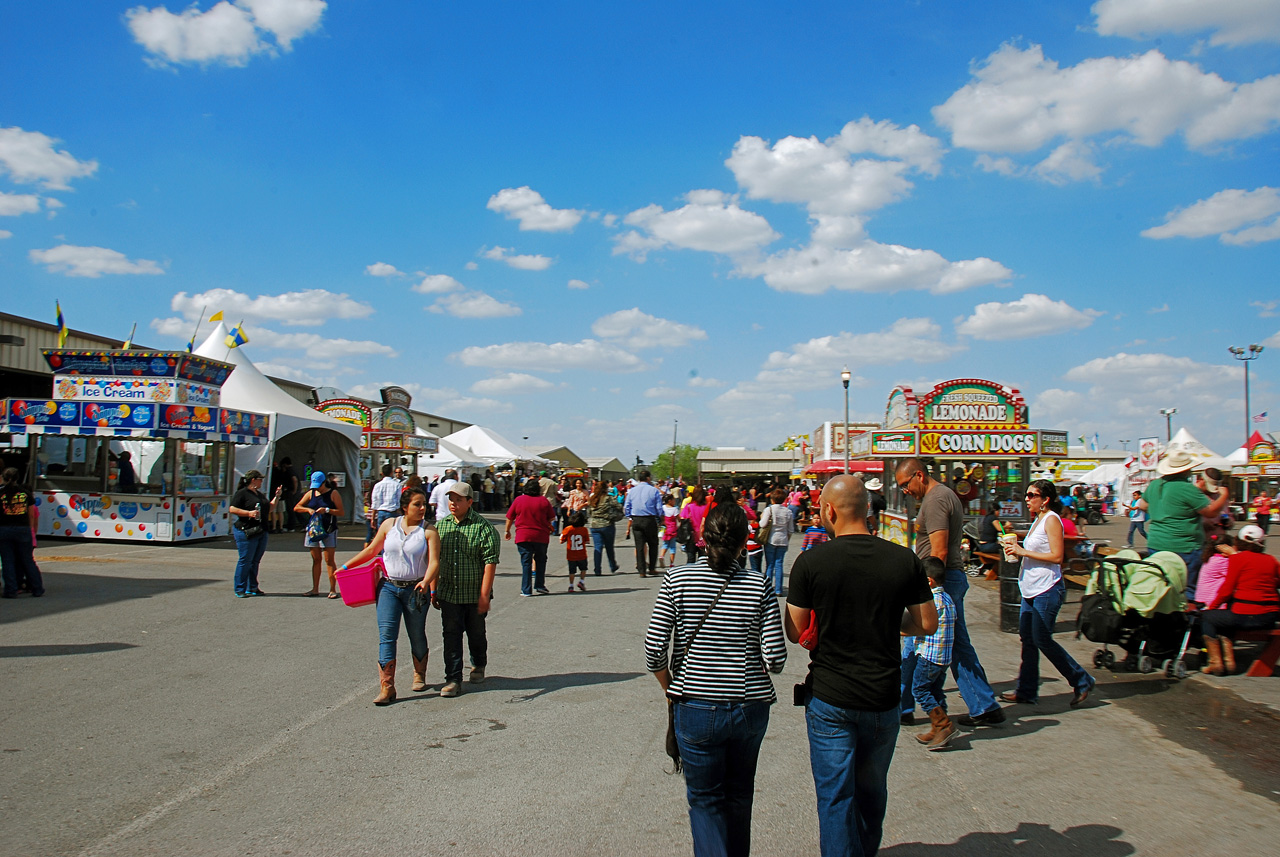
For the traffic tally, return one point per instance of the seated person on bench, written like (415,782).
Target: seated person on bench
(1252,589)
(988,535)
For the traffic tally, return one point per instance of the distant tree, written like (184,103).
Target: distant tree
(686,462)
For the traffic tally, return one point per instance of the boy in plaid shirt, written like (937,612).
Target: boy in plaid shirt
(933,656)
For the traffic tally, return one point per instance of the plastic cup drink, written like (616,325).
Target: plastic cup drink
(1008,541)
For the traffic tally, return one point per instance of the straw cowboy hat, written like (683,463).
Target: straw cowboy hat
(1177,461)
(874,484)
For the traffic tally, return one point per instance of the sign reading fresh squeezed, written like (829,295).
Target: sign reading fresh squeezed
(977,443)
(970,401)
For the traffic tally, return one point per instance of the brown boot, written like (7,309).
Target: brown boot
(942,730)
(419,675)
(1214,650)
(388,676)
(926,737)
(1228,655)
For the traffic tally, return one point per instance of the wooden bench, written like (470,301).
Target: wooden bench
(990,564)
(1265,664)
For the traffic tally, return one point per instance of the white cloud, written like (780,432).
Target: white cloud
(437,284)
(307,307)
(664,392)
(1272,341)
(552,357)
(1224,213)
(227,33)
(1158,309)
(471,266)
(527,205)
(1070,162)
(1019,101)
(474,305)
(522,262)
(511,382)
(700,381)
(5,233)
(14,204)
(1233,22)
(712,221)
(29,157)
(635,329)
(382,269)
(467,404)
(1030,315)
(822,176)
(579,284)
(172,326)
(91,261)
(419,392)
(609,220)
(1003,165)
(1266,309)
(320,347)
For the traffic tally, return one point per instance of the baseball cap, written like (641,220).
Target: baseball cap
(317,479)
(462,489)
(1252,534)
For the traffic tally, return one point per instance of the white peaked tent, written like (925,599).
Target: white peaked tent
(450,456)
(1104,474)
(297,432)
(492,447)
(1204,457)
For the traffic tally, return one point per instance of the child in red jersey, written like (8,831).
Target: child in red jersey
(575,538)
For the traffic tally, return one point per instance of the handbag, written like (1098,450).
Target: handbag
(762,535)
(673,746)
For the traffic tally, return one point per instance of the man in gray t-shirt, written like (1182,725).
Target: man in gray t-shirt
(939,528)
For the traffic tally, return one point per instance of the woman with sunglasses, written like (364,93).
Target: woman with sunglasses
(1043,591)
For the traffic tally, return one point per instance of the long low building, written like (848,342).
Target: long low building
(730,465)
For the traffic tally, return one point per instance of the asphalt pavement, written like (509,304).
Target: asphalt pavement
(147,711)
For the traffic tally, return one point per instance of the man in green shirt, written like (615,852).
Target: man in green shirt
(1177,509)
(469,548)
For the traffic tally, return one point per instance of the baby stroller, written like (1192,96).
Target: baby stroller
(1138,604)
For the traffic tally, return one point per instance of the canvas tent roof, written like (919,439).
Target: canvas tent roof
(1104,474)
(492,447)
(1204,457)
(565,456)
(450,455)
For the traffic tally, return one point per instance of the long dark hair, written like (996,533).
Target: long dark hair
(724,530)
(407,495)
(598,492)
(1050,494)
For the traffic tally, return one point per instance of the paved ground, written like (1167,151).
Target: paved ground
(148,712)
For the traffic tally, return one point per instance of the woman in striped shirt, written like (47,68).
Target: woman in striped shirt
(728,638)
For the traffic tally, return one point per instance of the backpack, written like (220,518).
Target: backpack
(1098,619)
(684,531)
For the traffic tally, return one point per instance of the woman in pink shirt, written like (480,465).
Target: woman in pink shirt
(532,514)
(695,511)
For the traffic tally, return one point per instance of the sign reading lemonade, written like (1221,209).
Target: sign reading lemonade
(971,402)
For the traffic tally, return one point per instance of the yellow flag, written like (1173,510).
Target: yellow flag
(217,316)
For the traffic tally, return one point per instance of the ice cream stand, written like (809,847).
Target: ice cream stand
(167,402)
(973,435)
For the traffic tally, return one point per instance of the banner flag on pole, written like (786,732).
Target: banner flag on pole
(237,336)
(62,325)
(1260,418)
(128,343)
(217,316)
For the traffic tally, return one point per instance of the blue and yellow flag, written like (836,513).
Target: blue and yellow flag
(128,343)
(62,325)
(237,336)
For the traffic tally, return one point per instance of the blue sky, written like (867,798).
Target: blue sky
(578,224)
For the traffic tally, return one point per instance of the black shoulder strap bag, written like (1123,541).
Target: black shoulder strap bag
(673,746)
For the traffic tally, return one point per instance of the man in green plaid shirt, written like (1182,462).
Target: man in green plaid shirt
(469,547)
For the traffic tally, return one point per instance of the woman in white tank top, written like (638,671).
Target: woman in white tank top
(1040,581)
(410,549)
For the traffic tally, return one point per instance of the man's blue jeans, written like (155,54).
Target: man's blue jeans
(394,603)
(773,557)
(975,690)
(1035,627)
(251,549)
(17,558)
(533,566)
(454,620)
(719,745)
(602,541)
(850,752)
(1140,526)
(1193,561)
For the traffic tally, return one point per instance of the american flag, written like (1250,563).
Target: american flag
(1260,418)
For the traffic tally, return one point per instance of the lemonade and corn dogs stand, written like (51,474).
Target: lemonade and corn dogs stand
(165,405)
(973,435)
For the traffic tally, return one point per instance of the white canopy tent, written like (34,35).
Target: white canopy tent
(492,447)
(450,456)
(1204,457)
(1105,474)
(298,432)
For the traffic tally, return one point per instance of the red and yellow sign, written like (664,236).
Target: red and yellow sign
(970,444)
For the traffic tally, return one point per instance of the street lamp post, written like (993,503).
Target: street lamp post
(1125,443)
(1245,356)
(844,378)
(675,430)
(1168,423)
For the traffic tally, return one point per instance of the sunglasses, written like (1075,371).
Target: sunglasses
(902,486)
(1031,494)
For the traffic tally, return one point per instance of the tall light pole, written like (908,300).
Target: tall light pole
(1168,423)
(1245,356)
(1124,442)
(844,377)
(675,431)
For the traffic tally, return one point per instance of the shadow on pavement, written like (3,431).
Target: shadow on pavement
(54,651)
(544,684)
(74,591)
(1095,840)
(1012,728)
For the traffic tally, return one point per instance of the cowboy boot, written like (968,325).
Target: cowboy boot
(942,730)
(1228,654)
(926,737)
(387,674)
(420,674)
(1214,650)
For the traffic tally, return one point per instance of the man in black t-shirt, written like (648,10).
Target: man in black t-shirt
(865,592)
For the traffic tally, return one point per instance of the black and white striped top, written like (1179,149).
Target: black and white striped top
(736,648)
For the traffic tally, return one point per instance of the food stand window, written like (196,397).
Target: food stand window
(160,407)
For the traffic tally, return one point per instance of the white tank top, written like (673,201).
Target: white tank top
(1037,576)
(405,556)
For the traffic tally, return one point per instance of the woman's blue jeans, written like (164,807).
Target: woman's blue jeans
(394,604)
(251,549)
(602,541)
(533,566)
(1035,627)
(773,557)
(719,745)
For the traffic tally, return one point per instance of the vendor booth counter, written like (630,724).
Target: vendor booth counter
(134,446)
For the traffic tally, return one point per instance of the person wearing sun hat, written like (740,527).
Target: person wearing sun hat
(1248,600)
(1177,510)
(876,504)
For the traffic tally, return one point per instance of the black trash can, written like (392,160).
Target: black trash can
(1010,596)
